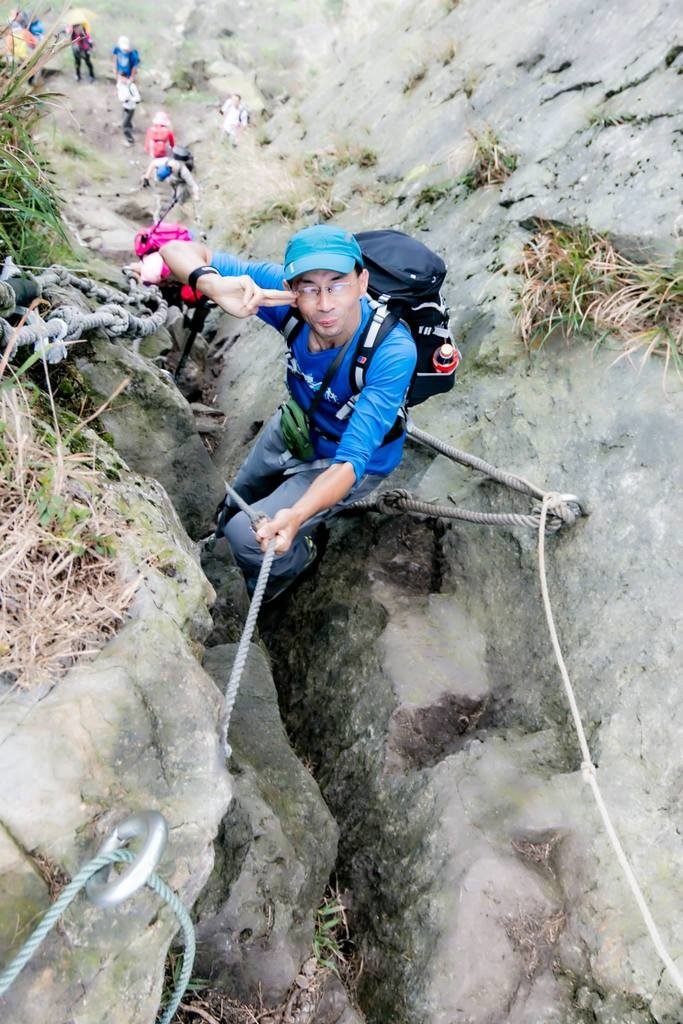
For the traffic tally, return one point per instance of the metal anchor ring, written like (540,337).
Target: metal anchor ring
(151,827)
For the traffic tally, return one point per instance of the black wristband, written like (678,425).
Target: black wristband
(194,276)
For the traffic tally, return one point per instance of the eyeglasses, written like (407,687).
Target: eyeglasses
(310,291)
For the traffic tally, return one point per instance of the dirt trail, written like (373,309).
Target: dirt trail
(97,174)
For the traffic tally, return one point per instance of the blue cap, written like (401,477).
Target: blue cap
(321,247)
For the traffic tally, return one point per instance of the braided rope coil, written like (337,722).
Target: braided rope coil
(399,501)
(7,299)
(69,323)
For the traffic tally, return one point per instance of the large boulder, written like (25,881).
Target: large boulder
(277,845)
(135,728)
(152,427)
(424,690)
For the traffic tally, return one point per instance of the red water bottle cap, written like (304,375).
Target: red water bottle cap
(446,358)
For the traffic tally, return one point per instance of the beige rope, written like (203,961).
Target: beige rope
(588,769)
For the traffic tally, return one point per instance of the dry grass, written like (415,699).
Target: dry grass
(417,75)
(533,936)
(492,163)
(61,591)
(576,280)
(331,954)
(538,851)
(481,160)
(265,191)
(202,1003)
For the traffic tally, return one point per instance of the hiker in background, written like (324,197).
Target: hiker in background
(36,26)
(19,40)
(176,172)
(235,117)
(159,138)
(81,45)
(309,461)
(125,61)
(129,97)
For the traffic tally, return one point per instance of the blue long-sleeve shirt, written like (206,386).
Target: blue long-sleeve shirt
(387,380)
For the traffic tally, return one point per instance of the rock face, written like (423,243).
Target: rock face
(424,690)
(277,845)
(422,685)
(154,430)
(134,729)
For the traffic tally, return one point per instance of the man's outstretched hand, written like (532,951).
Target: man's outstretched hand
(241,296)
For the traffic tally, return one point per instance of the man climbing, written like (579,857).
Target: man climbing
(159,137)
(235,117)
(309,461)
(125,61)
(176,172)
(81,45)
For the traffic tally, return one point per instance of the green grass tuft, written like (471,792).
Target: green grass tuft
(574,279)
(31,227)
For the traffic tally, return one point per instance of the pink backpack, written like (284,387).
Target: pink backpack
(151,239)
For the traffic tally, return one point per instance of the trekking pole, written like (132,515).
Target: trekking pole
(174,200)
(201,312)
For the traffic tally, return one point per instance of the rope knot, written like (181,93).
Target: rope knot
(393,503)
(72,318)
(559,505)
(561,510)
(49,343)
(56,274)
(119,319)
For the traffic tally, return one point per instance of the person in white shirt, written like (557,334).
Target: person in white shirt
(235,117)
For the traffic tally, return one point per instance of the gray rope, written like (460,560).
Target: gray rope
(255,517)
(399,501)
(563,511)
(67,896)
(244,644)
(517,483)
(8,299)
(70,323)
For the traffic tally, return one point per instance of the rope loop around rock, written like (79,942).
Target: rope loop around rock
(561,509)
(72,890)
(69,323)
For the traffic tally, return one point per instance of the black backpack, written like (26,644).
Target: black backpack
(184,155)
(405,282)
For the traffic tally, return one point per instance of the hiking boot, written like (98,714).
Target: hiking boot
(128,142)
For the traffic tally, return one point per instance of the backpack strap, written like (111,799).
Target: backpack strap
(291,327)
(327,379)
(381,324)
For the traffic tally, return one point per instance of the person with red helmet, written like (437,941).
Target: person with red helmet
(159,138)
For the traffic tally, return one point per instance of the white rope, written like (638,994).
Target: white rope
(588,769)
(243,647)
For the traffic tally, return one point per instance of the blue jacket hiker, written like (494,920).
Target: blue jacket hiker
(125,60)
(330,444)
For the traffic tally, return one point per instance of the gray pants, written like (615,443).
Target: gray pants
(128,124)
(271,479)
